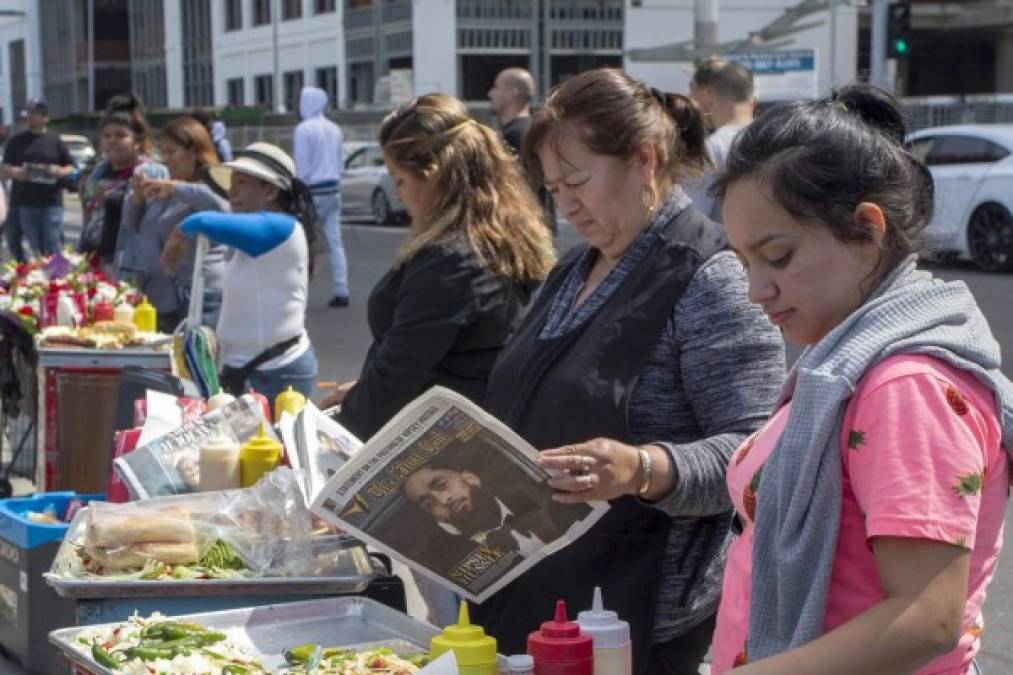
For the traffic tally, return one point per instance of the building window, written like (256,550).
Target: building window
(261,12)
(291,9)
(323,6)
(263,86)
(233,14)
(327,79)
(293,83)
(236,91)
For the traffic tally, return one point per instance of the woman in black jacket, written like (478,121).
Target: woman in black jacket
(477,249)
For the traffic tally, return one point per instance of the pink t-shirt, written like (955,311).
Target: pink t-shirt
(923,458)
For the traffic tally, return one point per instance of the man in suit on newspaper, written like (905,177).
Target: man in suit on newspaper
(460,504)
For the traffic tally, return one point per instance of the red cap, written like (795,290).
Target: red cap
(560,640)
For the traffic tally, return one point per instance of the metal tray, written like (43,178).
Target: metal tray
(267,631)
(348,569)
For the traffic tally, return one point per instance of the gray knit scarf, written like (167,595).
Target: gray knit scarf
(799,495)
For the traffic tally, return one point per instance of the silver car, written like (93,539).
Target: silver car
(366,187)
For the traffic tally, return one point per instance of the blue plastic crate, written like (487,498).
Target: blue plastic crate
(15,527)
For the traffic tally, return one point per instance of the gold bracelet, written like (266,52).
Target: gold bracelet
(646,471)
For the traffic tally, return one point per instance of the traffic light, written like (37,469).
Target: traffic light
(898,33)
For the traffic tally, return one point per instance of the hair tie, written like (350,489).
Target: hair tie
(659,96)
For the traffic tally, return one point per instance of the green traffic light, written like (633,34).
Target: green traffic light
(900,46)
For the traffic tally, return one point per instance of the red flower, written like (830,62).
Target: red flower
(26,310)
(92,292)
(100,276)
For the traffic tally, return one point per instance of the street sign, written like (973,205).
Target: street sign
(781,76)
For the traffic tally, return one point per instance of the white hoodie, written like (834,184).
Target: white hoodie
(319,156)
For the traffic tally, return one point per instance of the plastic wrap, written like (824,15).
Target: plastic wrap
(267,525)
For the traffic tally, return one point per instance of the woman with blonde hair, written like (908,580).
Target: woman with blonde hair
(156,254)
(476,250)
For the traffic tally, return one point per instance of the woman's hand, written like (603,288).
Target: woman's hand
(337,396)
(175,251)
(599,469)
(138,184)
(160,189)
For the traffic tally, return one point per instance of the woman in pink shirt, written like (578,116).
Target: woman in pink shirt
(871,504)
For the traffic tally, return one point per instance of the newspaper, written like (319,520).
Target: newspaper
(454,494)
(322,446)
(170,464)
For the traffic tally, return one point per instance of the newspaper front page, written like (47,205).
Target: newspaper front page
(454,494)
(169,464)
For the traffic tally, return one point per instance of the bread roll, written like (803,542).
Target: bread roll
(130,557)
(110,531)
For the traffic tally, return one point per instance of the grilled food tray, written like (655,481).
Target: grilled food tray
(267,631)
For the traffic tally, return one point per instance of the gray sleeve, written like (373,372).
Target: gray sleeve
(732,364)
(200,197)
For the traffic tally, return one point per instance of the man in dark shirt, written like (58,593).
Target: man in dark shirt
(511,96)
(35,161)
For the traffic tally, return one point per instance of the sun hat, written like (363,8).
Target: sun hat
(265,161)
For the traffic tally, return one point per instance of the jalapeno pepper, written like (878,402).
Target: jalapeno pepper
(103,657)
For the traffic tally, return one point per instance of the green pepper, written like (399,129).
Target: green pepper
(148,653)
(233,669)
(331,652)
(103,657)
(303,653)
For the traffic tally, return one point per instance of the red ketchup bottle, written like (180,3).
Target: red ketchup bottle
(103,310)
(559,648)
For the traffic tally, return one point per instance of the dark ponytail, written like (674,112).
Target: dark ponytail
(692,127)
(298,202)
(821,159)
(128,110)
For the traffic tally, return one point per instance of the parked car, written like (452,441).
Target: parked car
(83,154)
(366,187)
(972,167)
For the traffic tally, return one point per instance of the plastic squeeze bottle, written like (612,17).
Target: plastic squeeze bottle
(258,455)
(290,401)
(145,316)
(559,648)
(474,650)
(613,651)
(219,464)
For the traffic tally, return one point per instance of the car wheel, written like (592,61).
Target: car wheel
(381,208)
(990,238)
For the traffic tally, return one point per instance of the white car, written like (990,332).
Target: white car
(366,187)
(972,167)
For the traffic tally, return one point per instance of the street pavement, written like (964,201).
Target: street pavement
(341,338)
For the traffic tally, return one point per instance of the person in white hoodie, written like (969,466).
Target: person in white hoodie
(319,159)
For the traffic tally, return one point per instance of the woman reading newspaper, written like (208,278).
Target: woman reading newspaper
(477,249)
(643,359)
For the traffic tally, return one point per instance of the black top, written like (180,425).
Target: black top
(577,386)
(27,148)
(439,319)
(514,132)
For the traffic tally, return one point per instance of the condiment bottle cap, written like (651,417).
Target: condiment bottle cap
(470,644)
(560,640)
(603,625)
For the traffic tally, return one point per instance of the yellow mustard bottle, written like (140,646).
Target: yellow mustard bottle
(474,650)
(290,401)
(145,316)
(257,456)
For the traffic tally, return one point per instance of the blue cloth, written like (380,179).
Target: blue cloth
(301,375)
(328,208)
(798,518)
(43,227)
(252,233)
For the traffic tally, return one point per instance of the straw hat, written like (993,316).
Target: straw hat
(265,161)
